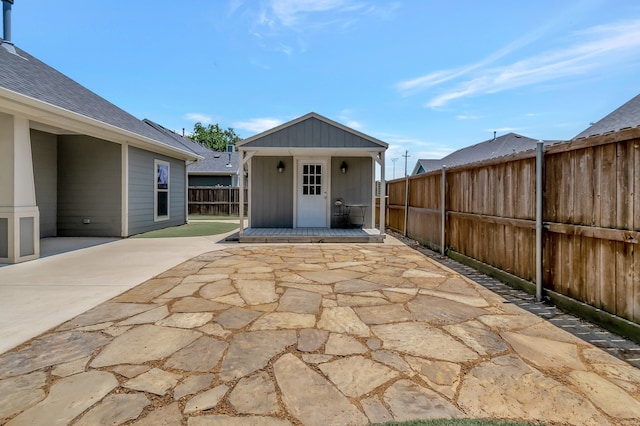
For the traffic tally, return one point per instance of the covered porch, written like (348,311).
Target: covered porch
(310,235)
(312,180)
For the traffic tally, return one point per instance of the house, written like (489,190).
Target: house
(312,172)
(501,146)
(214,169)
(626,116)
(73,164)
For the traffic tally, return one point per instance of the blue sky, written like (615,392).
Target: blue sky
(425,76)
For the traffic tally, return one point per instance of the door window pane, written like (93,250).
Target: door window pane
(312,179)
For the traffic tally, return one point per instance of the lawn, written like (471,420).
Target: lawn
(191,230)
(207,217)
(458,422)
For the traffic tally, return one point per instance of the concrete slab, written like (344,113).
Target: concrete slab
(38,295)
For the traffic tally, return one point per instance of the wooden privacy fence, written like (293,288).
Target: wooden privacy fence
(590,217)
(217,201)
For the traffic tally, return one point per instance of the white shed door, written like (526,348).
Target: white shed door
(312,194)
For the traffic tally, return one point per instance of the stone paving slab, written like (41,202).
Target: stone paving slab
(312,335)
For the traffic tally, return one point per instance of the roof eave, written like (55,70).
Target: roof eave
(305,117)
(46,113)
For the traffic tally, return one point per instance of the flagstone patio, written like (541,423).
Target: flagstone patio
(311,335)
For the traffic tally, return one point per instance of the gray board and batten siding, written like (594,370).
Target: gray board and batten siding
(353,187)
(44,150)
(310,133)
(89,187)
(141,191)
(271,192)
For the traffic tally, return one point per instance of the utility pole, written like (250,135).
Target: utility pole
(393,160)
(406,155)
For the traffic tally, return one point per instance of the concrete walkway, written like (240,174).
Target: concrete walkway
(38,295)
(311,335)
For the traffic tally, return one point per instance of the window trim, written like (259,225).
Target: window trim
(156,190)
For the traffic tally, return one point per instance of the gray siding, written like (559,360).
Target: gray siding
(355,186)
(271,193)
(89,187)
(141,191)
(44,150)
(312,133)
(4,237)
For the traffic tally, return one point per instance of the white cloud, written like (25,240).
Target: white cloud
(197,117)
(354,124)
(468,117)
(503,130)
(597,48)
(257,125)
(279,18)
(345,117)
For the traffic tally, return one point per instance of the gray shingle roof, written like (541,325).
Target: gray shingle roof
(214,162)
(510,143)
(625,117)
(28,76)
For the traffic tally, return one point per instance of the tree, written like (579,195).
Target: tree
(214,137)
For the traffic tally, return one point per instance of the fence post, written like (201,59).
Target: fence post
(406,203)
(443,207)
(539,171)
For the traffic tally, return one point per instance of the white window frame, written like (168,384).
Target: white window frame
(157,190)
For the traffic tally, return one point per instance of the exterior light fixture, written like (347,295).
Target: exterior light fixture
(343,167)
(280,167)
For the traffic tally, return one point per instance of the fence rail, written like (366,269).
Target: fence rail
(217,201)
(591,217)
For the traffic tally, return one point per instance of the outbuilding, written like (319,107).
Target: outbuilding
(308,178)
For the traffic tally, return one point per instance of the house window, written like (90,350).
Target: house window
(161,194)
(312,179)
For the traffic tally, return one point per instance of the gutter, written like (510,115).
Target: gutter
(46,113)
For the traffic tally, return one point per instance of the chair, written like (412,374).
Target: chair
(340,214)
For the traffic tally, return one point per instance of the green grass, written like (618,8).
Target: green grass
(190,230)
(207,217)
(458,422)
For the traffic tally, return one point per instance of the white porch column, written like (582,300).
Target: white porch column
(19,214)
(241,194)
(383,195)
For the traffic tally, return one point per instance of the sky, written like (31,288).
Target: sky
(427,77)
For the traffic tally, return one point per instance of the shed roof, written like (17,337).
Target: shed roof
(25,75)
(312,131)
(625,117)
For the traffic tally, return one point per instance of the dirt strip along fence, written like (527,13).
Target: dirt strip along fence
(217,201)
(590,213)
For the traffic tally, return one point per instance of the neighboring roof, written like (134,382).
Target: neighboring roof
(510,143)
(625,117)
(425,165)
(213,162)
(25,75)
(216,163)
(312,131)
(182,140)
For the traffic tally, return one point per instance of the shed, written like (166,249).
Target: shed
(312,173)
